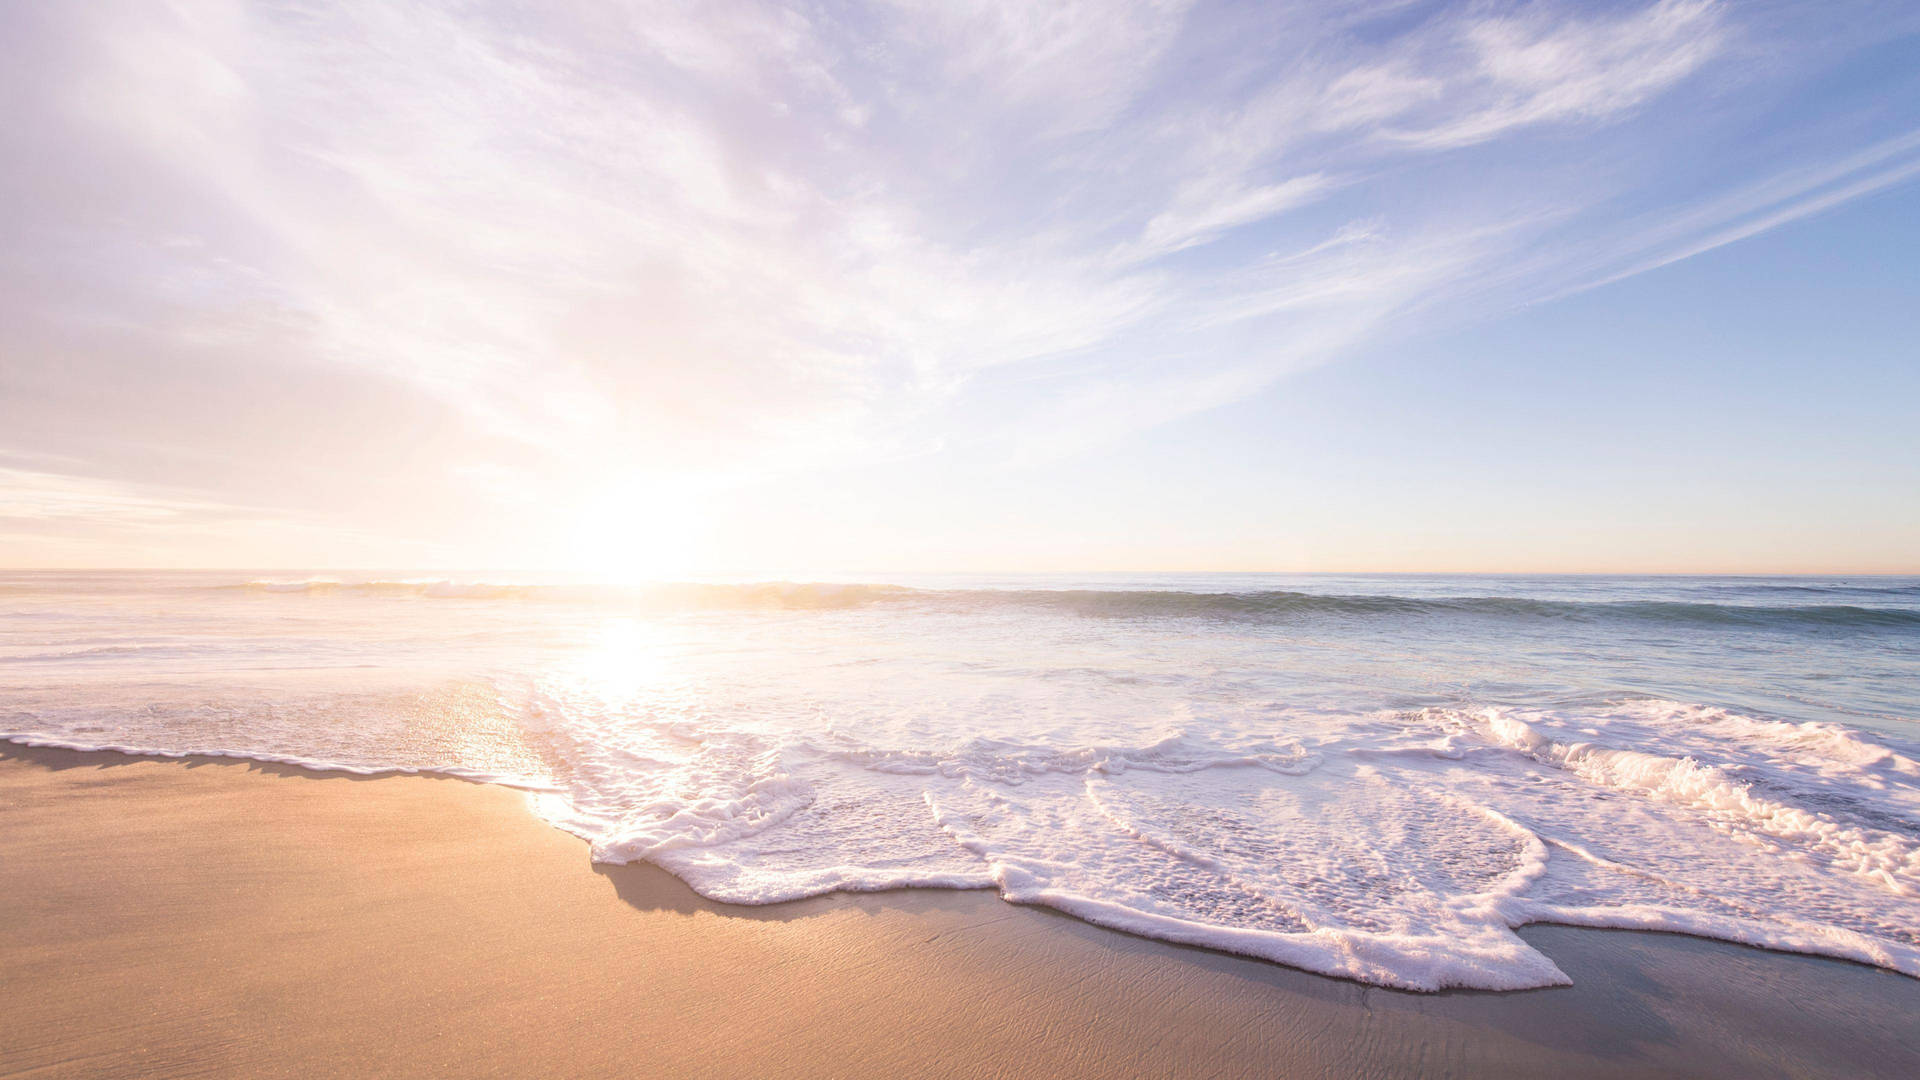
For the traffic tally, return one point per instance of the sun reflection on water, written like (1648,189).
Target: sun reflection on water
(628,657)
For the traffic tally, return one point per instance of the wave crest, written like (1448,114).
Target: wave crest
(1250,606)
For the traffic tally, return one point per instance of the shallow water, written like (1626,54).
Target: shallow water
(1376,777)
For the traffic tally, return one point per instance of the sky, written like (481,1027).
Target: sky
(658,289)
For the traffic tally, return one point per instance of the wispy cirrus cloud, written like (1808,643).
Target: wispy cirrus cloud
(1758,207)
(1529,68)
(543,245)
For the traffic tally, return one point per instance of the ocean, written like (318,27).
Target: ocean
(1376,777)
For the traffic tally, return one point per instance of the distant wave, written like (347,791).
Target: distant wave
(1847,588)
(1273,605)
(1730,604)
(1283,604)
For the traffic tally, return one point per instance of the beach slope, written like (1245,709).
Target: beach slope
(216,917)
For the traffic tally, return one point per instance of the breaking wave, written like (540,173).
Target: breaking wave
(1891,607)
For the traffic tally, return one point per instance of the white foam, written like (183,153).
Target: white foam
(1402,851)
(1888,859)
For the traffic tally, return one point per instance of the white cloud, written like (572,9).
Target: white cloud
(1529,69)
(1078,62)
(1204,209)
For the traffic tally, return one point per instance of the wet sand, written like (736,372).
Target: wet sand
(216,917)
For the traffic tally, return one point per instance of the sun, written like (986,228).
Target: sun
(637,530)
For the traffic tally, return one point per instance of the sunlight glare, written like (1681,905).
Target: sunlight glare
(626,659)
(635,531)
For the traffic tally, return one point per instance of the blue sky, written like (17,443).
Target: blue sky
(661,288)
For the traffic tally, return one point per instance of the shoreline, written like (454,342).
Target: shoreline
(166,916)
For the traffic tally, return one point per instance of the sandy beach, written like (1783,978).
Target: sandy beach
(218,917)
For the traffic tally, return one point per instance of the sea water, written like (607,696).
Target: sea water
(1375,777)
